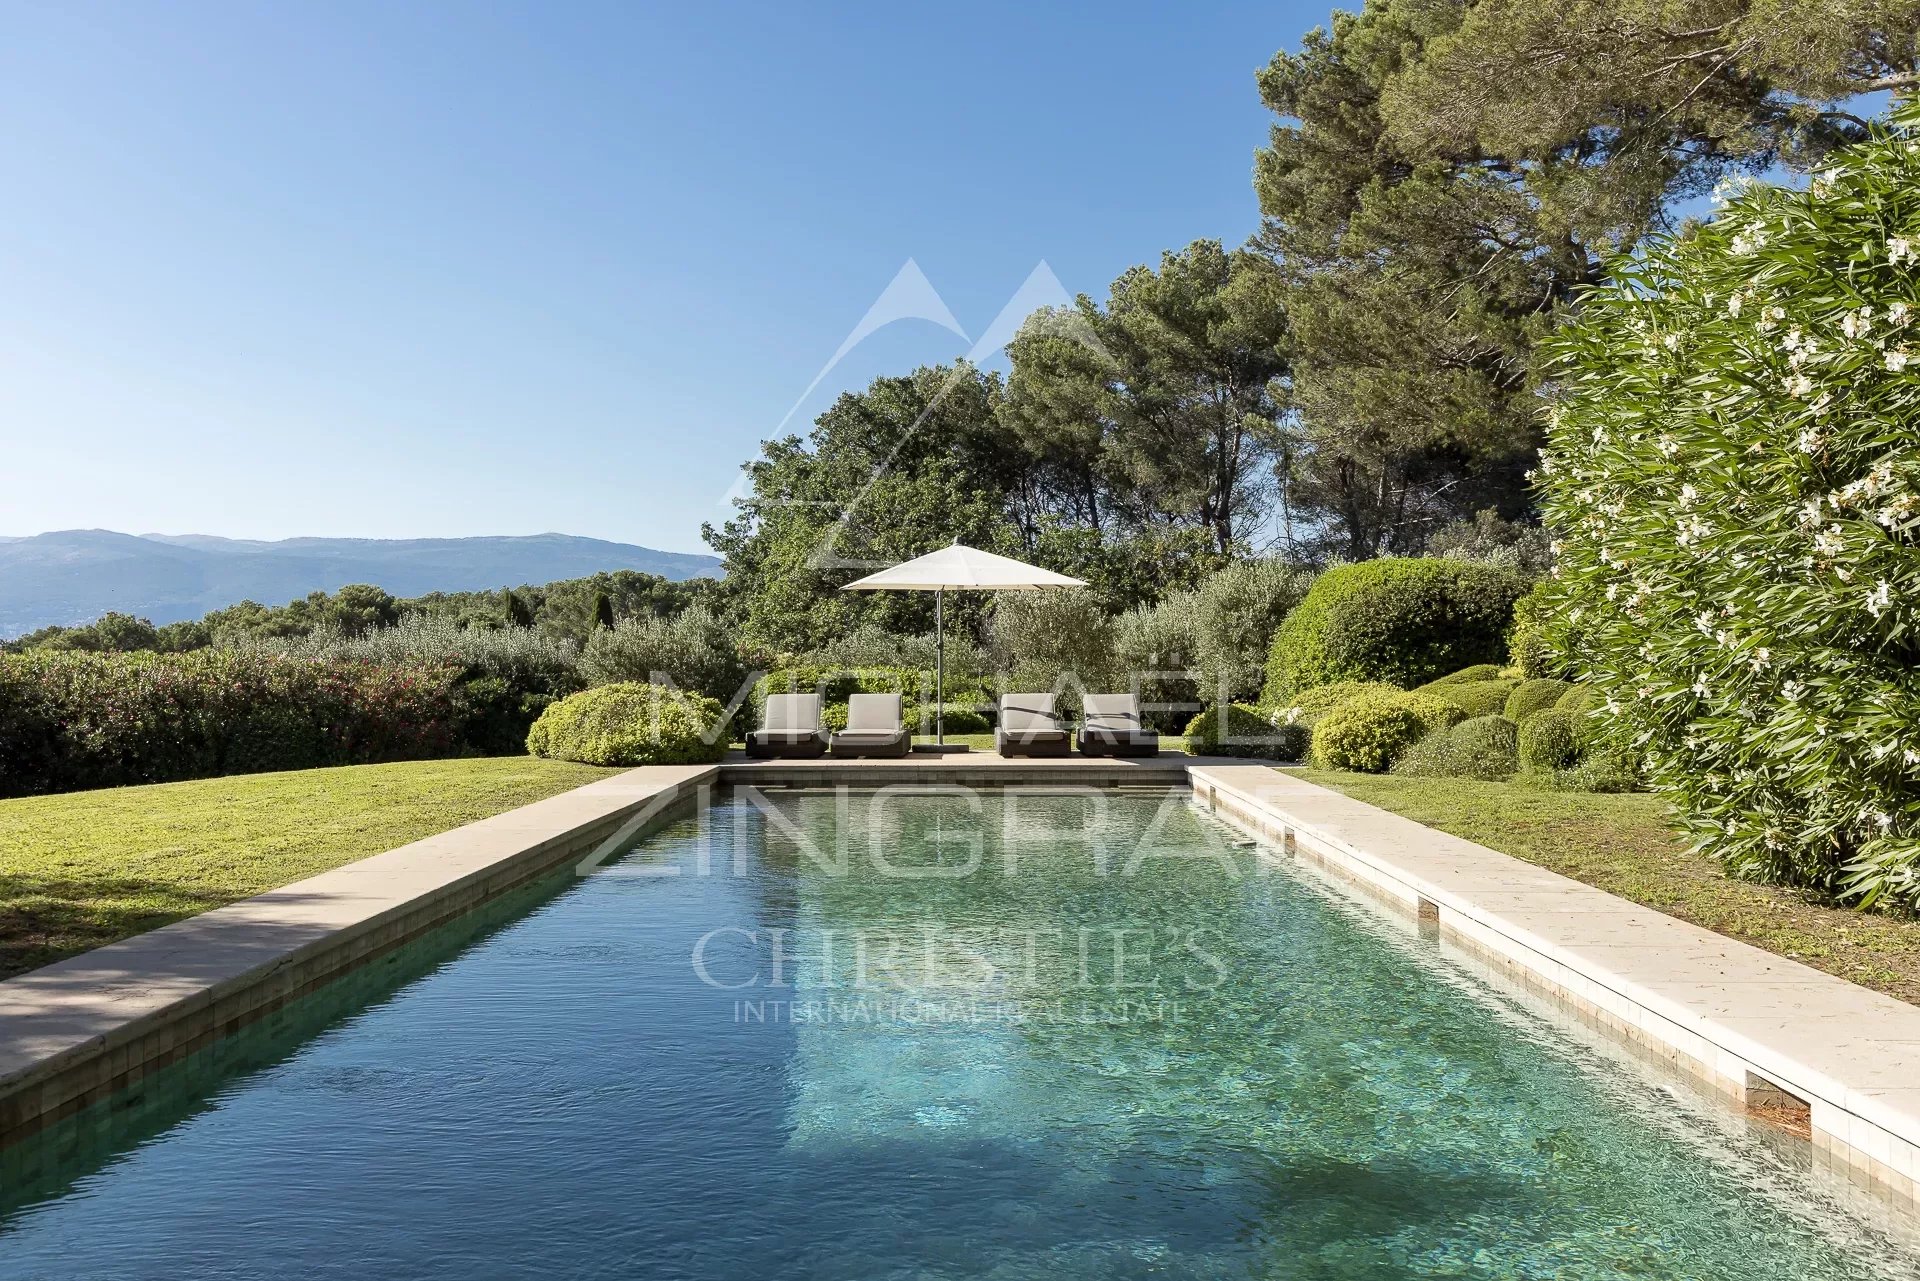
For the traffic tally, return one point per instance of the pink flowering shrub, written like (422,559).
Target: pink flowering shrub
(80,720)
(1733,478)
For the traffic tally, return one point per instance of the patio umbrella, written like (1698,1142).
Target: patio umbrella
(959,567)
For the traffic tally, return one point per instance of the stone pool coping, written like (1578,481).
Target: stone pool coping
(1765,1031)
(1776,1037)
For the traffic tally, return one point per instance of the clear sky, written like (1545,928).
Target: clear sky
(439,269)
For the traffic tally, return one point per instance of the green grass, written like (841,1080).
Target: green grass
(1622,844)
(86,868)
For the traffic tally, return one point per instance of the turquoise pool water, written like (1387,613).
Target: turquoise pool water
(1012,1037)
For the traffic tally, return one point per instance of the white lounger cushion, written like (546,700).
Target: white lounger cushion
(873,714)
(1112,713)
(1029,716)
(792,714)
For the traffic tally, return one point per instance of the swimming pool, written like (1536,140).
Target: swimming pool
(927,1033)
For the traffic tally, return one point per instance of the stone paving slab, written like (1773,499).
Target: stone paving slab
(1736,1015)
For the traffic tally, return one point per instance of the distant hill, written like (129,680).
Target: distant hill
(76,575)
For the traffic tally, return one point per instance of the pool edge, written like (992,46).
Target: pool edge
(1744,1023)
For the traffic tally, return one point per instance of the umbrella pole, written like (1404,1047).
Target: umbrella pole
(939,668)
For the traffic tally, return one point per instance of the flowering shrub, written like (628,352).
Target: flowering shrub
(1246,733)
(631,724)
(71,720)
(1733,474)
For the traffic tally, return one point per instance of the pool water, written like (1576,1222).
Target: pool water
(930,1036)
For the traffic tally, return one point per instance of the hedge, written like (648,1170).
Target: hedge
(74,720)
(1310,705)
(1548,742)
(632,724)
(1731,476)
(1401,621)
(1535,695)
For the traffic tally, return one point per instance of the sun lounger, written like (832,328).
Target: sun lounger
(1110,726)
(873,728)
(789,727)
(1028,727)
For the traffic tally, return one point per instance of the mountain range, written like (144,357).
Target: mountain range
(76,575)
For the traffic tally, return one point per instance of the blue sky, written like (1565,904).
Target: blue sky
(418,270)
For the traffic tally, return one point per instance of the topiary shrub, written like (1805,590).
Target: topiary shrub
(1531,696)
(1547,742)
(1731,476)
(1399,621)
(1480,698)
(957,718)
(1477,672)
(631,724)
(1366,734)
(1245,733)
(1435,711)
(1312,704)
(1482,747)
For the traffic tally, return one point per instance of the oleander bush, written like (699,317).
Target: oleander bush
(1547,742)
(71,720)
(631,723)
(1400,621)
(1482,747)
(1244,731)
(1531,696)
(1733,479)
(1367,733)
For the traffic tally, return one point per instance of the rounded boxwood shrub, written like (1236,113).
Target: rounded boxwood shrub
(1435,711)
(1310,705)
(1732,479)
(1246,733)
(1531,696)
(1480,698)
(631,724)
(1483,747)
(1366,734)
(1547,742)
(956,719)
(1477,672)
(1403,621)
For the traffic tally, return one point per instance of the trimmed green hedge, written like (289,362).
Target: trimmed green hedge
(631,724)
(1479,698)
(72,720)
(1404,622)
(1366,733)
(1484,747)
(1248,733)
(1312,704)
(1547,742)
(1531,696)
(1436,711)
(1477,672)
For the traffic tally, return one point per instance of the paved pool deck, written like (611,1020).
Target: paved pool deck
(1781,1039)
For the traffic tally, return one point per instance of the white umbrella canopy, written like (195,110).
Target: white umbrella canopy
(960,567)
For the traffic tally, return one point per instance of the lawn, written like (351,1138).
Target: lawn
(86,868)
(1623,845)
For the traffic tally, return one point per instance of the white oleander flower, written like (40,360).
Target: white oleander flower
(1830,541)
(1667,446)
(1799,385)
(1880,599)
(1809,440)
(1793,691)
(1899,250)
(1760,659)
(1688,495)
(1897,313)
(1855,324)
(1704,621)
(1897,361)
